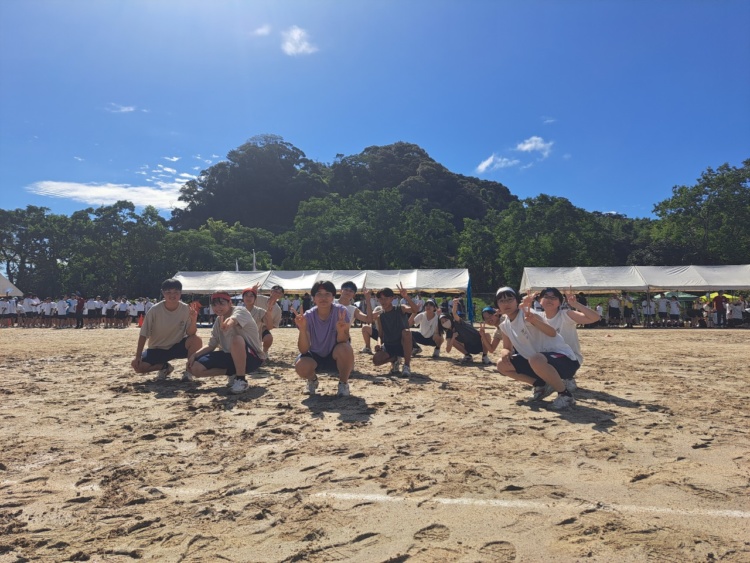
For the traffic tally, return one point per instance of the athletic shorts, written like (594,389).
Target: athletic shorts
(110,313)
(662,315)
(614,313)
(92,314)
(219,359)
(418,338)
(474,346)
(265,333)
(674,317)
(394,349)
(122,314)
(628,313)
(155,356)
(566,368)
(325,364)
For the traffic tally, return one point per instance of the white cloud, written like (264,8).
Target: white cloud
(495,162)
(171,158)
(167,170)
(162,196)
(117,108)
(535,144)
(263,30)
(296,42)
(188,176)
(78,158)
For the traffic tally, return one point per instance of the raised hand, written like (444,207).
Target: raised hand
(341,324)
(301,322)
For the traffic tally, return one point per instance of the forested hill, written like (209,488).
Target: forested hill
(390,207)
(262,183)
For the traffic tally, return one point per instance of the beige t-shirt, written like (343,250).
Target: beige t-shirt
(165,328)
(259,312)
(246,328)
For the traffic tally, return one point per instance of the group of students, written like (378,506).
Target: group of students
(538,348)
(71,311)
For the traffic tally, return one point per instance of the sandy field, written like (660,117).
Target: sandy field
(452,464)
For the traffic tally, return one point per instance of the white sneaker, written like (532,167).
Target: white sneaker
(406,372)
(563,402)
(467,359)
(570,384)
(343,389)
(239,386)
(436,353)
(312,386)
(164,372)
(486,360)
(365,350)
(395,367)
(230,380)
(187,376)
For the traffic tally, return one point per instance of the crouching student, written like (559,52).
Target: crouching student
(430,329)
(241,350)
(533,352)
(323,340)
(394,332)
(463,337)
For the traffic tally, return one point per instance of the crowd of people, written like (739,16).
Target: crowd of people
(538,348)
(716,310)
(535,335)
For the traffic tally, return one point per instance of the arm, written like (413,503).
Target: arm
(365,317)
(581,314)
(192,326)
(342,327)
(303,339)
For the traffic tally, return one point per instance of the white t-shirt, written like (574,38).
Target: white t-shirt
(427,328)
(674,307)
(528,340)
(566,327)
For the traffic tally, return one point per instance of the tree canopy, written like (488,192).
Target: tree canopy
(389,207)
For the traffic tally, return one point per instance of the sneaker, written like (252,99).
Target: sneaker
(406,371)
(542,391)
(343,389)
(436,353)
(164,372)
(312,386)
(563,402)
(416,350)
(230,380)
(396,367)
(486,360)
(570,384)
(365,350)
(239,386)
(187,376)
(467,359)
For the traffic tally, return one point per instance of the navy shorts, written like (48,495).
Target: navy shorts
(219,359)
(418,338)
(154,356)
(325,364)
(566,368)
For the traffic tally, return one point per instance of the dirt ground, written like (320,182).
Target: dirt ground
(452,464)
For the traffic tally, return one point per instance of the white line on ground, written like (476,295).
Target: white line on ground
(538,505)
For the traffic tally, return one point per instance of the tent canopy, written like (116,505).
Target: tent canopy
(639,278)
(7,289)
(300,281)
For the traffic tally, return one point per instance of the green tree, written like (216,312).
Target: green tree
(708,223)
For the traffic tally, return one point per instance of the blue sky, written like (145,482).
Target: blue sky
(607,103)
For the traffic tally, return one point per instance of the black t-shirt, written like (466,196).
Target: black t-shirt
(392,322)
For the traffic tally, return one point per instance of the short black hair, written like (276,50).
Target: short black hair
(323,284)
(349,285)
(171,283)
(277,286)
(387,292)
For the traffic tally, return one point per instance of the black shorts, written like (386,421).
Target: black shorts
(627,313)
(566,368)
(110,314)
(394,349)
(325,364)
(265,333)
(418,338)
(92,314)
(662,315)
(122,314)
(154,356)
(614,313)
(674,317)
(375,334)
(474,346)
(219,359)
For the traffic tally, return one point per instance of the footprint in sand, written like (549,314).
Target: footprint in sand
(434,532)
(499,550)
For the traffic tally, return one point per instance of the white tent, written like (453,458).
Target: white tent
(7,289)
(300,281)
(639,278)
